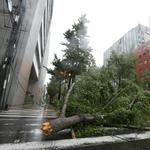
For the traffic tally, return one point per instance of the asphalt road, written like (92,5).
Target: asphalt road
(20,125)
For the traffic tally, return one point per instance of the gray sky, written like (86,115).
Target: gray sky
(109,21)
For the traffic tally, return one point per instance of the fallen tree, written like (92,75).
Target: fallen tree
(94,99)
(62,122)
(67,122)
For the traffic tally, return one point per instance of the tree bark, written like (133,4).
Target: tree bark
(60,124)
(66,101)
(59,90)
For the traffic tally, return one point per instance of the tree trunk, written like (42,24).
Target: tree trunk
(69,82)
(60,124)
(59,90)
(63,112)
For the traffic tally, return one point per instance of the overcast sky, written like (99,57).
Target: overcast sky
(109,21)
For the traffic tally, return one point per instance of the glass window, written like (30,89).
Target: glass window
(141,77)
(145,61)
(139,50)
(143,47)
(139,56)
(149,59)
(140,63)
(149,52)
(144,54)
(140,70)
(145,68)
(148,45)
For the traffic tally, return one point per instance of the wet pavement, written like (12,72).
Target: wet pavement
(23,124)
(20,129)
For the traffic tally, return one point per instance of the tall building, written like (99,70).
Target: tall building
(24,49)
(143,54)
(131,40)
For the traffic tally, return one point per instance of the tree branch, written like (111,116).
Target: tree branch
(115,97)
(134,99)
(63,112)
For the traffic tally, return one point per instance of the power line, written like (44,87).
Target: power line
(10,50)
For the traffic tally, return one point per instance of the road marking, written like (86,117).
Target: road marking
(35,131)
(46,112)
(7,124)
(32,124)
(41,110)
(20,116)
(9,119)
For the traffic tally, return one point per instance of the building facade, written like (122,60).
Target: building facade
(143,54)
(24,49)
(131,40)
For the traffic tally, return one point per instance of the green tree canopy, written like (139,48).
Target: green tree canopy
(52,87)
(77,55)
(146,80)
(122,65)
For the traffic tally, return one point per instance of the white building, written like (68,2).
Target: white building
(131,40)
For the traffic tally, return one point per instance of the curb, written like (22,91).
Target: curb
(77,143)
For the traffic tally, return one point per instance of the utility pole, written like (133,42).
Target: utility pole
(11,51)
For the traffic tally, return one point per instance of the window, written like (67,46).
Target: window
(144,54)
(140,70)
(140,42)
(139,50)
(149,52)
(145,68)
(148,45)
(139,56)
(149,59)
(143,47)
(140,63)
(145,61)
(141,77)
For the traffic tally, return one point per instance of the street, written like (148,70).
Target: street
(23,124)
(20,129)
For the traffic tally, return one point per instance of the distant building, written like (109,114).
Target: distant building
(24,47)
(143,54)
(131,40)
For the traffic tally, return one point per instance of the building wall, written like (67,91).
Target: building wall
(143,54)
(130,40)
(27,73)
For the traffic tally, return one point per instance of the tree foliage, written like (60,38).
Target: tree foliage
(146,80)
(122,65)
(77,55)
(57,72)
(52,87)
(95,90)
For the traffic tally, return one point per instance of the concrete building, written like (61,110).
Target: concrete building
(131,40)
(143,54)
(24,47)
